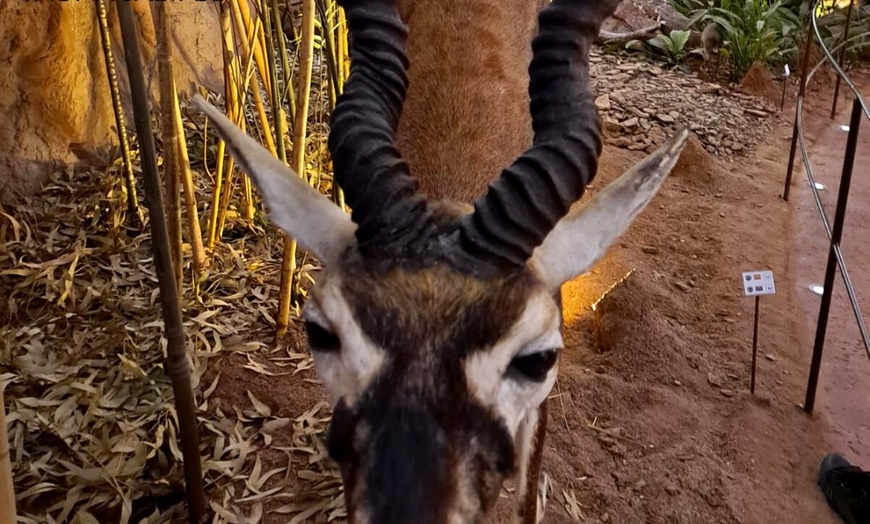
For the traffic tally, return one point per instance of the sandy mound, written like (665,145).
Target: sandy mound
(695,164)
(758,82)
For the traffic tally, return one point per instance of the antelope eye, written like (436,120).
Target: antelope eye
(535,366)
(321,339)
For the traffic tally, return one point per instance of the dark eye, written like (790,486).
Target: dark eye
(321,339)
(536,365)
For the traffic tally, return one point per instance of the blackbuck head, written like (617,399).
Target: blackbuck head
(434,326)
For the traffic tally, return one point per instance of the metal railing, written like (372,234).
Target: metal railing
(835,232)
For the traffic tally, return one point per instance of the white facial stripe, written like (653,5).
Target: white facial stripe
(524,438)
(536,330)
(347,373)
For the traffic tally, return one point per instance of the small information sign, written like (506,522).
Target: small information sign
(757,283)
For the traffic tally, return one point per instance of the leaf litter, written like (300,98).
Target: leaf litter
(92,427)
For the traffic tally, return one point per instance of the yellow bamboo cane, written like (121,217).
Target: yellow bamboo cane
(306,53)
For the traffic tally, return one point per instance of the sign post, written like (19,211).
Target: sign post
(784,86)
(756,284)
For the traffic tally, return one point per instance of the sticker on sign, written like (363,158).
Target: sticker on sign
(758,283)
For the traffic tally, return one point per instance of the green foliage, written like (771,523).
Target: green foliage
(673,47)
(832,26)
(754,30)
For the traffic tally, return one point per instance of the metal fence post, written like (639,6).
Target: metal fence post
(830,272)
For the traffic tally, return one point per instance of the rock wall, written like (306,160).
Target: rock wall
(54,94)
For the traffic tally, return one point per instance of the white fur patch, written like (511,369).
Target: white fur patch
(348,372)
(514,398)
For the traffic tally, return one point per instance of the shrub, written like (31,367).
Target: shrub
(754,30)
(673,47)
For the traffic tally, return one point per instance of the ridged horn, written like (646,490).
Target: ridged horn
(367,164)
(538,189)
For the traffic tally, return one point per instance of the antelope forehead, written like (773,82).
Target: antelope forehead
(436,309)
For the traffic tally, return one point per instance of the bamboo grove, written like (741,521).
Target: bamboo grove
(269,77)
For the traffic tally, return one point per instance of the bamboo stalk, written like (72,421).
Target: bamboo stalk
(133,213)
(171,175)
(264,120)
(280,117)
(341,61)
(229,84)
(278,32)
(306,53)
(258,47)
(7,487)
(176,364)
(248,44)
(331,60)
(237,82)
(194,231)
(344,56)
(247,51)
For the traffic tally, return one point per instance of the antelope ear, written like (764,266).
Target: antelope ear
(295,207)
(581,238)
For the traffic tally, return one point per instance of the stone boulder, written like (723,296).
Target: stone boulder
(54,94)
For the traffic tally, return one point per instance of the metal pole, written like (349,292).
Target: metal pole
(803,87)
(754,346)
(842,58)
(836,236)
(7,490)
(176,365)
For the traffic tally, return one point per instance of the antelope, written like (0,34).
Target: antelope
(435,325)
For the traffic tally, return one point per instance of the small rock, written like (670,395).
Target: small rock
(672,490)
(714,380)
(755,112)
(612,126)
(650,250)
(678,383)
(770,357)
(623,141)
(667,119)
(682,287)
(631,123)
(605,518)
(726,392)
(603,103)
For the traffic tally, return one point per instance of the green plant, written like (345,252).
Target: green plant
(673,47)
(754,30)
(832,27)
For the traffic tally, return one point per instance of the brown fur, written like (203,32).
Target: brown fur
(427,321)
(466,116)
(397,308)
(465,119)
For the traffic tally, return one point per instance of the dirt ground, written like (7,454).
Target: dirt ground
(652,419)
(661,368)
